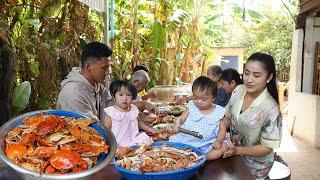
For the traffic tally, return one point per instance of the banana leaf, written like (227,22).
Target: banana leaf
(20,96)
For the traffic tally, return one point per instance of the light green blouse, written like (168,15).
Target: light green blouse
(259,124)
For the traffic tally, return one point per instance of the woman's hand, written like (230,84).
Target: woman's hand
(231,151)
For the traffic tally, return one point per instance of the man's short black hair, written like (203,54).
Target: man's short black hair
(116,86)
(94,51)
(140,67)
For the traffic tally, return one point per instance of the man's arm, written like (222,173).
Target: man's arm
(142,105)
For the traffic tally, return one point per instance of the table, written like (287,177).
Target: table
(231,168)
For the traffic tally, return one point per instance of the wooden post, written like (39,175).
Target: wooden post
(106,23)
(316,78)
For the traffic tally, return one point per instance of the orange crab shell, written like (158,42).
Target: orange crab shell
(81,166)
(14,150)
(65,159)
(50,125)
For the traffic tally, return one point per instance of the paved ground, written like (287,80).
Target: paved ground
(302,158)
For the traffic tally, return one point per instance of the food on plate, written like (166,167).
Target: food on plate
(153,119)
(176,110)
(164,131)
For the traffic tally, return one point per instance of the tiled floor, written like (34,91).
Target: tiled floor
(302,159)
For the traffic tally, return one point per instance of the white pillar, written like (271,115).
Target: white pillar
(308,66)
(295,75)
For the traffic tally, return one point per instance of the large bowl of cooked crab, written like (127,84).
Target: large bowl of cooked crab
(160,160)
(56,144)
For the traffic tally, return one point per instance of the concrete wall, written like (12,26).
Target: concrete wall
(304,107)
(303,115)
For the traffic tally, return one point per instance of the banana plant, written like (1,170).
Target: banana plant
(120,68)
(20,96)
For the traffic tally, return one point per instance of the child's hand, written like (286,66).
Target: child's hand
(176,126)
(217,145)
(151,131)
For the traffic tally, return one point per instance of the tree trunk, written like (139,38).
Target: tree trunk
(7,77)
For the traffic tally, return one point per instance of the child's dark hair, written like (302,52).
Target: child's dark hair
(231,74)
(270,67)
(204,83)
(115,86)
(94,51)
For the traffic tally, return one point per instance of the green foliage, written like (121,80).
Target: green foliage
(158,35)
(40,33)
(20,96)
(273,36)
(43,31)
(119,69)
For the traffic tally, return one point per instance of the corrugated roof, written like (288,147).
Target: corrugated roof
(95,4)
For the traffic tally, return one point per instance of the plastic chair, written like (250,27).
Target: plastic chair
(279,171)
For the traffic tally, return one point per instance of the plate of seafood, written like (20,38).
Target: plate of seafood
(164,131)
(56,144)
(175,110)
(153,119)
(162,123)
(160,160)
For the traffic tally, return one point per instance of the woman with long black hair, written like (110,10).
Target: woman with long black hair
(253,116)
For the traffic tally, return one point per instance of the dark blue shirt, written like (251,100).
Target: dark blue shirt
(222,98)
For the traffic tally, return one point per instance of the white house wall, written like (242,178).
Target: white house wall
(304,107)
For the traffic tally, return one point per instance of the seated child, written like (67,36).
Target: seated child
(122,118)
(202,116)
